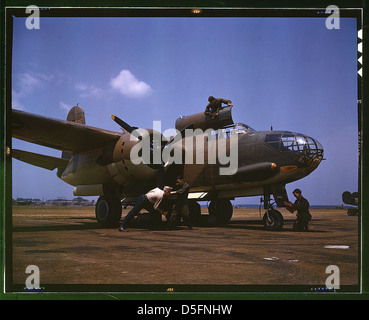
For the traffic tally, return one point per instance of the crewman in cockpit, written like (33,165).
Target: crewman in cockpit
(214,105)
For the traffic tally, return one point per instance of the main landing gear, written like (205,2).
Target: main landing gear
(108,210)
(220,212)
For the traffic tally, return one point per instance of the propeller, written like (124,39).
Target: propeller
(159,167)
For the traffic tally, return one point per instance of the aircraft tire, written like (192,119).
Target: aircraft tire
(275,221)
(108,211)
(222,210)
(195,212)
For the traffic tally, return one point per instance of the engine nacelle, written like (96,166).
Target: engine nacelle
(89,190)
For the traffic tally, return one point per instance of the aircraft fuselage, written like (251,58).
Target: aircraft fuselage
(263,158)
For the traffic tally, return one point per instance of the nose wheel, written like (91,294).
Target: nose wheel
(272,219)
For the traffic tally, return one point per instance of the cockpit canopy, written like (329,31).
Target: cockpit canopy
(302,148)
(241,128)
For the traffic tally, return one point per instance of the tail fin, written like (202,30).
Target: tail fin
(76,114)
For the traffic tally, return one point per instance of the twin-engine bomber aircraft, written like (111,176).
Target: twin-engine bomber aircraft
(98,162)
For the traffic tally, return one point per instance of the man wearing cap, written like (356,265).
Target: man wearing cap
(150,201)
(214,105)
(303,214)
(181,204)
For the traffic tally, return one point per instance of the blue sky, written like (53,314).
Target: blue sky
(291,73)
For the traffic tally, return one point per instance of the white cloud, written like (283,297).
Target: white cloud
(29,81)
(64,106)
(87,90)
(16,103)
(26,83)
(128,85)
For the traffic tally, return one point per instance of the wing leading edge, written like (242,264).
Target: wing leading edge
(58,134)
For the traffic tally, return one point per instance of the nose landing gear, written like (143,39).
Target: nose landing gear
(272,219)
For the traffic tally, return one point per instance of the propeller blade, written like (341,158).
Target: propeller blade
(122,123)
(125,125)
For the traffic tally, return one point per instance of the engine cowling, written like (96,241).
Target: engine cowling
(203,122)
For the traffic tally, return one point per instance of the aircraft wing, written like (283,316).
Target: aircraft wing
(67,136)
(39,160)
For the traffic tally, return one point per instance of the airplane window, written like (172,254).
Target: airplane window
(247,127)
(311,144)
(287,142)
(301,142)
(273,140)
(304,149)
(273,137)
(236,129)
(239,131)
(241,128)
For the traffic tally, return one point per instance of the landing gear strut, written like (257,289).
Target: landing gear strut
(272,219)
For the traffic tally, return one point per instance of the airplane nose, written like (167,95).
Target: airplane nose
(306,150)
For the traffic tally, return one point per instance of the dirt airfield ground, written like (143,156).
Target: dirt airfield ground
(71,251)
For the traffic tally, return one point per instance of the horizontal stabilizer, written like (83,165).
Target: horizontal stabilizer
(39,160)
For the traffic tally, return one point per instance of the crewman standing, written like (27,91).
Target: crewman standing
(181,209)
